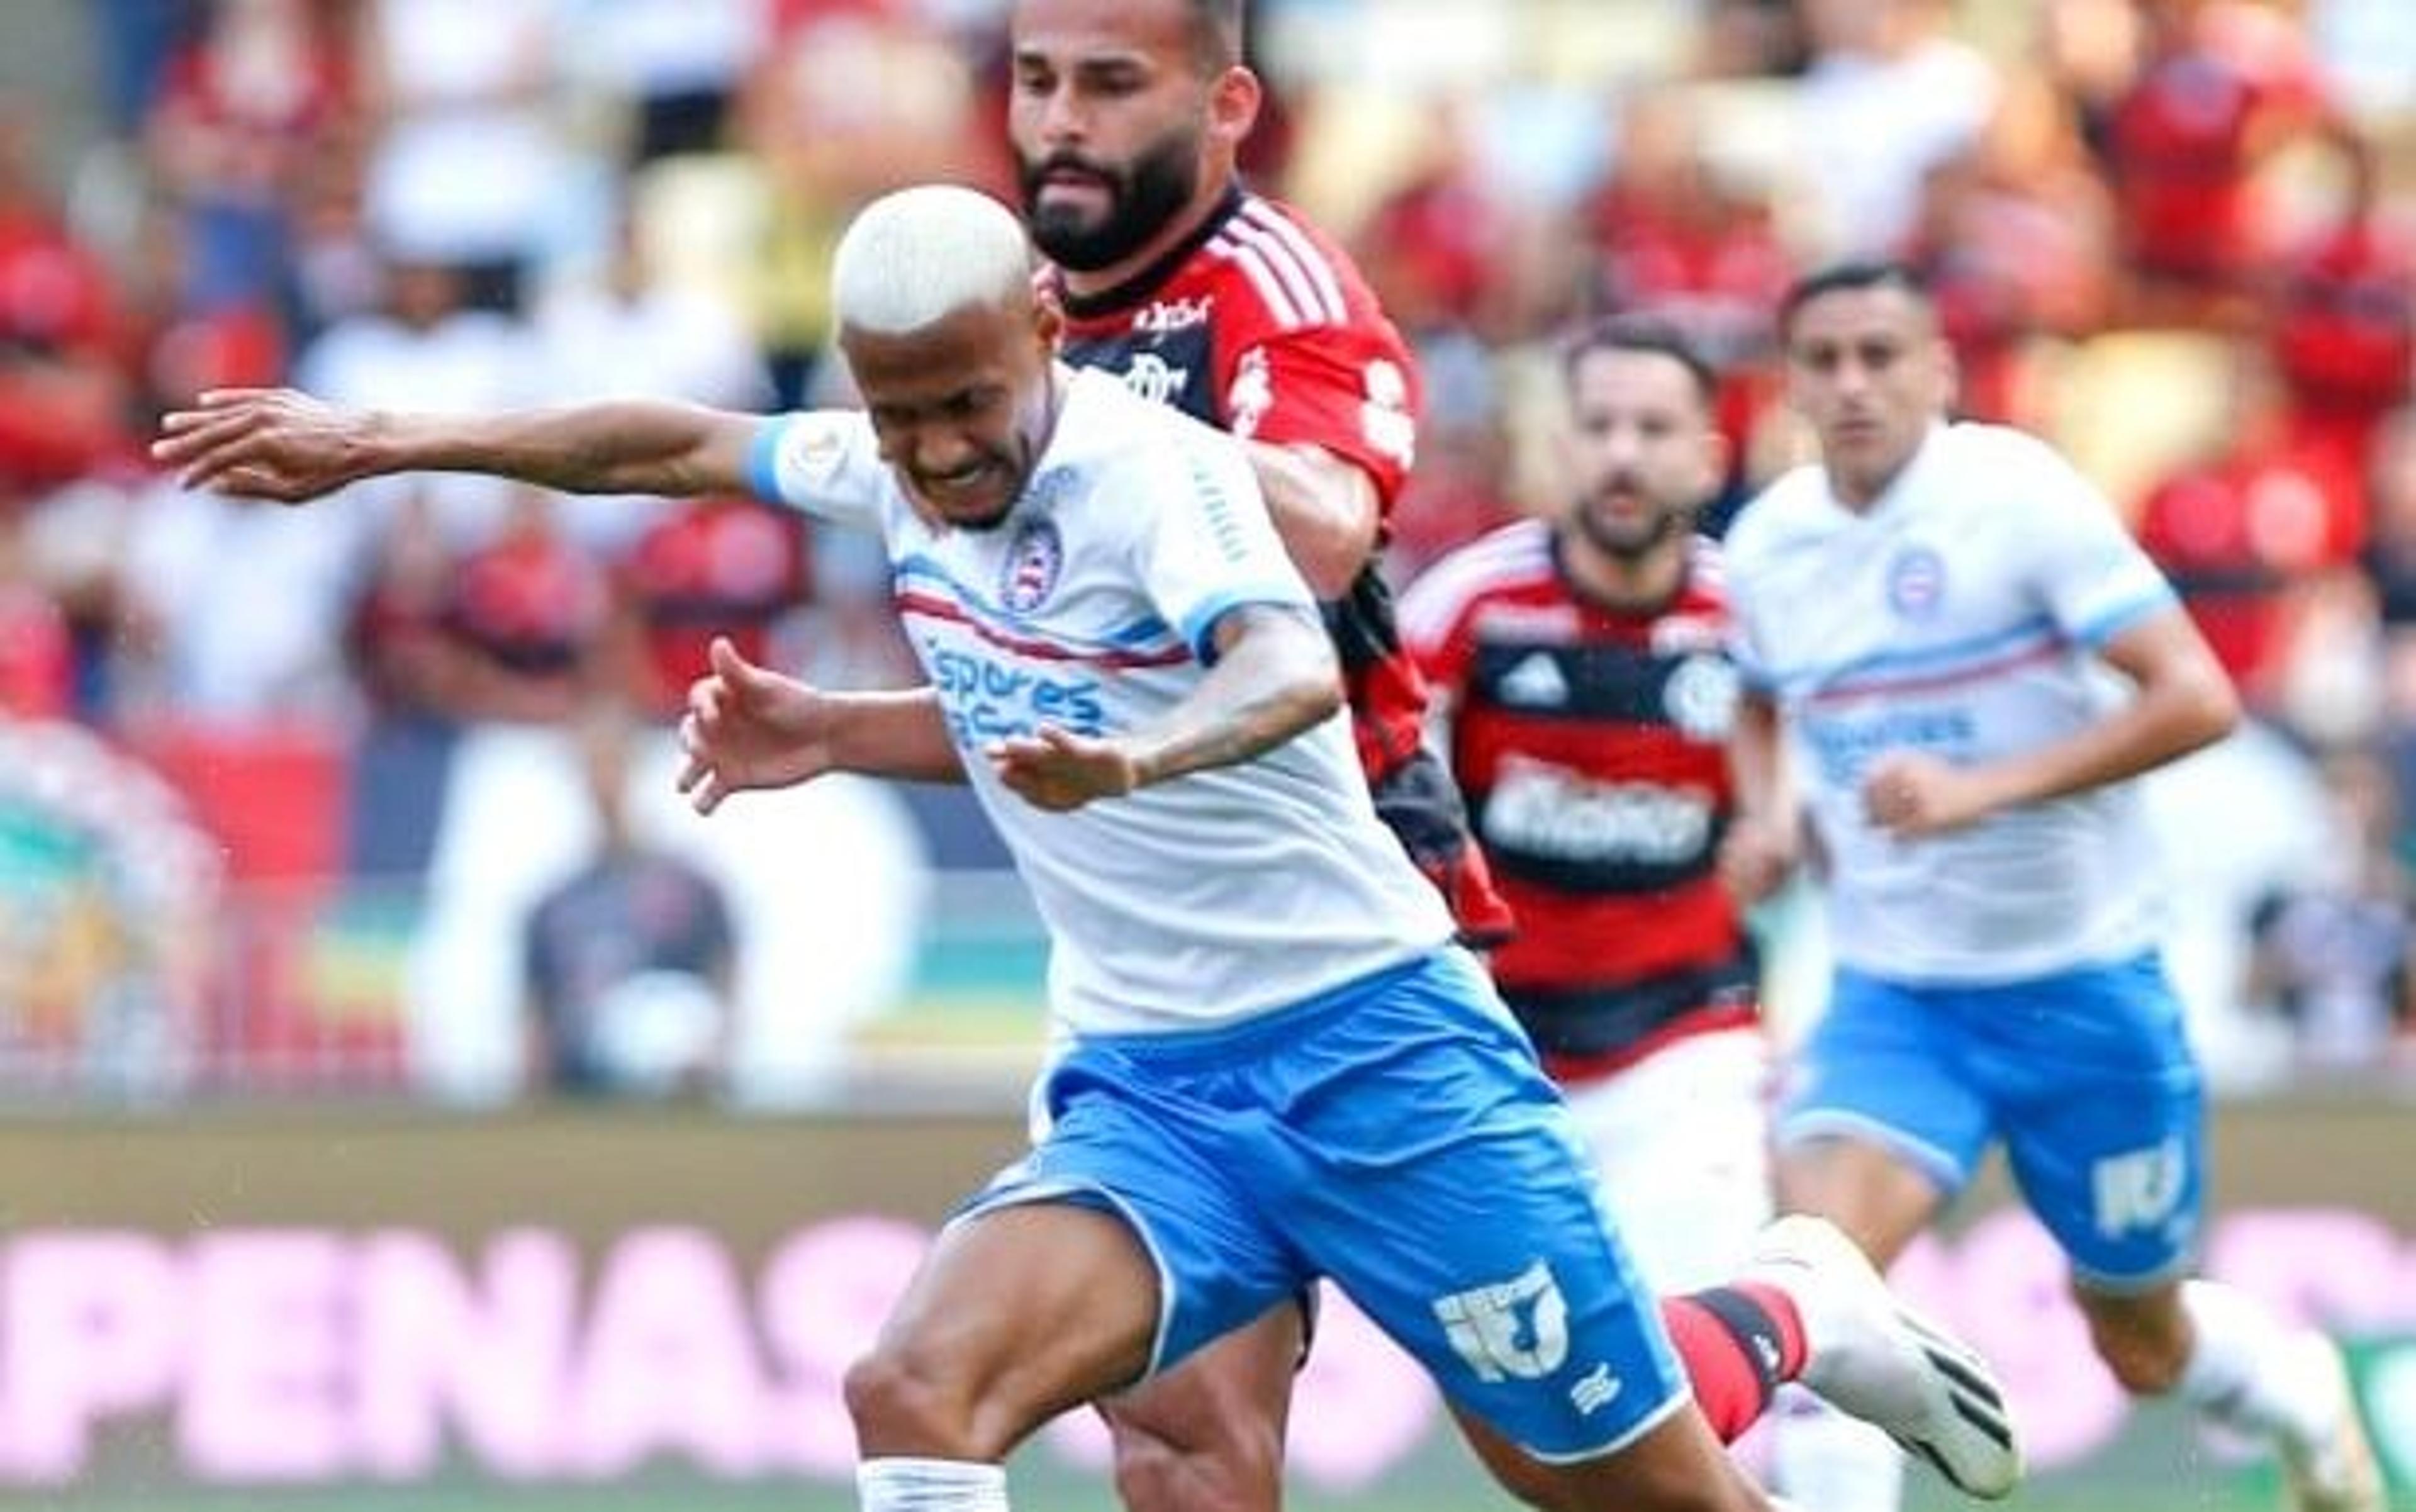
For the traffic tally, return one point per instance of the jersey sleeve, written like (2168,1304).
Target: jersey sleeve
(822,463)
(1313,369)
(2094,579)
(1433,615)
(1208,547)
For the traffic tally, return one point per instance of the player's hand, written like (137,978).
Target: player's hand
(750,727)
(1910,796)
(270,443)
(1756,856)
(1055,769)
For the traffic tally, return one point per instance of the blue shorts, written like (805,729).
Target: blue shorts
(2087,1076)
(1397,1137)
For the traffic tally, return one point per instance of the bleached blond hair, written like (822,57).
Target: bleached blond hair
(913,258)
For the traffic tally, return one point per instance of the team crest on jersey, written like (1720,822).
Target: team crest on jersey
(819,447)
(1916,583)
(1701,697)
(1035,557)
(1156,380)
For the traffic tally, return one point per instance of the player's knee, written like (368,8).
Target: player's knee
(1196,1467)
(2144,1360)
(901,1405)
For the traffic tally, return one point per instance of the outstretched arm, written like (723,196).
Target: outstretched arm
(1275,677)
(279,444)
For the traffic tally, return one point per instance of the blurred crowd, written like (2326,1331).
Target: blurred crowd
(2178,237)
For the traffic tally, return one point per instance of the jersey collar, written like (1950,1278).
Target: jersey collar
(1149,279)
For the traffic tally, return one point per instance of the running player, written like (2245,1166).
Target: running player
(1583,664)
(1931,609)
(1069,651)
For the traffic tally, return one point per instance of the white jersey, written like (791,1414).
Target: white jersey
(1958,616)
(1194,903)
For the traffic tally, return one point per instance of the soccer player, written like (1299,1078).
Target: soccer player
(1124,117)
(1931,611)
(1277,1068)
(1583,664)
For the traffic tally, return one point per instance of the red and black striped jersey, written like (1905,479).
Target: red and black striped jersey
(1590,744)
(1260,326)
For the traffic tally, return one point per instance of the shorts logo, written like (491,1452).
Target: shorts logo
(2139,1192)
(1597,1390)
(1513,1330)
(1916,583)
(1034,558)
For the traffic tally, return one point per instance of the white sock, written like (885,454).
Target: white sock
(901,1485)
(1823,1459)
(2248,1372)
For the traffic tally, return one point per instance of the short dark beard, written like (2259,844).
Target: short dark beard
(1632,550)
(1142,200)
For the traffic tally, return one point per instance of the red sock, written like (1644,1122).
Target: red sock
(1739,1343)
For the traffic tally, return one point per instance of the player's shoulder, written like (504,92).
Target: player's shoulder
(1274,268)
(1707,577)
(1977,447)
(1790,507)
(1508,559)
(2013,477)
(1110,440)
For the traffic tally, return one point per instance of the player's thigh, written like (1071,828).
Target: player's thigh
(1681,1140)
(1134,1140)
(2103,1112)
(1444,1184)
(1675,1465)
(1208,1434)
(1879,1120)
(1014,1313)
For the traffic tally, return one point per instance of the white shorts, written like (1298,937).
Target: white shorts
(1682,1138)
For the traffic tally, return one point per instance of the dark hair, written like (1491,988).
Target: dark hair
(1650,335)
(1848,276)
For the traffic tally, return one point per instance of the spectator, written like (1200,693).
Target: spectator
(62,393)
(264,87)
(532,610)
(719,567)
(2343,331)
(1671,234)
(631,960)
(2330,955)
(2015,235)
(2237,530)
(1889,95)
(2183,145)
(452,84)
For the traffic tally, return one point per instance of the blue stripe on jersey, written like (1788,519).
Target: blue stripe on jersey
(1878,671)
(762,453)
(1146,634)
(1200,627)
(2122,616)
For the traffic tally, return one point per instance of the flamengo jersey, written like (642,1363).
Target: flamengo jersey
(1957,616)
(1592,745)
(1194,903)
(1260,327)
